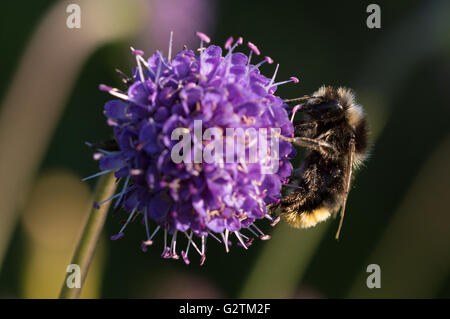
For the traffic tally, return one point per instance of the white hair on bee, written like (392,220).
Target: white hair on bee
(323,91)
(359,159)
(356,117)
(354,112)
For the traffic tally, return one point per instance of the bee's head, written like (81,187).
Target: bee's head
(328,103)
(319,108)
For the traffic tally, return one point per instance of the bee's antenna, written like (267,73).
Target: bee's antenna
(342,219)
(298,99)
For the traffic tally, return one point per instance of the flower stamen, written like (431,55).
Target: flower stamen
(125,185)
(239,237)
(138,53)
(228,43)
(214,236)
(120,234)
(273,77)
(166,251)
(173,245)
(295,110)
(263,236)
(189,237)
(169,55)
(97,174)
(203,38)
(291,79)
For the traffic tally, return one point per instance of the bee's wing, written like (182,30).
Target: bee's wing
(348,177)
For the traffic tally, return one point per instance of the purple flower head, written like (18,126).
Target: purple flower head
(198,198)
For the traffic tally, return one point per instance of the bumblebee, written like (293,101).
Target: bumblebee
(334,132)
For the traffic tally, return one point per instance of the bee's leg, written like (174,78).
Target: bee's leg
(303,129)
(314,144)
(287,203)
(298,99)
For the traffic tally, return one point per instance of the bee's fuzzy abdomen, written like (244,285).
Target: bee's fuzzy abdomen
(306,219)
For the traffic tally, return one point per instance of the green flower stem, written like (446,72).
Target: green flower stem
(88,242)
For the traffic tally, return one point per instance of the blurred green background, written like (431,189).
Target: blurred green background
(398,212)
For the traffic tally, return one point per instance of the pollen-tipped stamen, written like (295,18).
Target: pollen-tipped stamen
(121,233)
(202,260)
(275,221)
(291,79)
(295,110)
(166,251)
(262,235)
(139,53)
(184,255)
(113,92)
(149,241)
(267,59)
(146,243)
(228,43)
(203,38)
(253,48)
(227,58)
